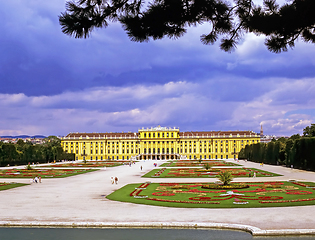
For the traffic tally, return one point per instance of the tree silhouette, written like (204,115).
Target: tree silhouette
(228,20)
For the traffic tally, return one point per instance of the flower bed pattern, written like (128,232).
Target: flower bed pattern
(43,173)
(259,194)
(213,172)
(89,164)
(194,163)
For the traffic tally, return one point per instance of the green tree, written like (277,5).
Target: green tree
(295,137)
(270,153)
(288,152)
(52,141)
(156,19)
(309,131)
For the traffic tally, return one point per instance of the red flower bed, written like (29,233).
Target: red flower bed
(298,192)
(167,193)
(181,201)
(286,201)
(196,195)
(201,198)
(135,192)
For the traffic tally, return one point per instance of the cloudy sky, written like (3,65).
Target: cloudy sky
(52,84)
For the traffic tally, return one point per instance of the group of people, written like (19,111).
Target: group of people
(114,180)
(36,179)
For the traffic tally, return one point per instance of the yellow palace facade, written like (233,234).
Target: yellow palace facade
(158,143)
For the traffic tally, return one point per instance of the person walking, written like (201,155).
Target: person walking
(116,180)
(112,179)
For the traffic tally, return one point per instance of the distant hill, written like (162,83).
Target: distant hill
(24,136)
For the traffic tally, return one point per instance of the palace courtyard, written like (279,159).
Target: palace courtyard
(80,200)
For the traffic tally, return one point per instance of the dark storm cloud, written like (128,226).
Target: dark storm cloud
(54,84)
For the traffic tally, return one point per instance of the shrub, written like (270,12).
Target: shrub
(28,167)
(207,166)
(225,177)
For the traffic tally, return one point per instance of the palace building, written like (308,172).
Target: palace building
(158,143)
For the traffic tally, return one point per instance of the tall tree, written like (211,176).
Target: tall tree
(309,131)
(229,20)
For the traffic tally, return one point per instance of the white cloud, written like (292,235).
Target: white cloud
(180,104)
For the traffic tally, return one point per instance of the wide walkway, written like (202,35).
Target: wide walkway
(81,200)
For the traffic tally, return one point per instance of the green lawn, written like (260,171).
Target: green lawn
(88,164)
(194,163)
(43,173)
(5,186)
(202,173)
(193,195)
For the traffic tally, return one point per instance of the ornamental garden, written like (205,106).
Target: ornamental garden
(189,163)
(88,164)
(221,194)
(43,173)
(206,173)
(212,195)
